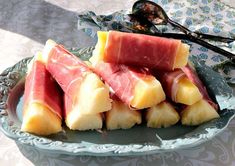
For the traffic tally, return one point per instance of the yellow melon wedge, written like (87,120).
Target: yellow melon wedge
(76,121)
(181,56)
(187,92)
(161,115)
(147,94)
(84,116)
(93,96)
(46,50)
(121,117)
(40,120)
(38,57)
(198,113)
(98,53)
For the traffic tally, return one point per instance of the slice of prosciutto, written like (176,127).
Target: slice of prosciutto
(141,50)
(135,87)
(192,75)
(42,113)
(178,87)
(169,81)
(84,90)
(67,69)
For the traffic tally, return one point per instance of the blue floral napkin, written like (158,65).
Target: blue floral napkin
(206,16)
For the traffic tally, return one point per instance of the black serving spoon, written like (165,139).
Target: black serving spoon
(142,25)
(152,14)
(156,14)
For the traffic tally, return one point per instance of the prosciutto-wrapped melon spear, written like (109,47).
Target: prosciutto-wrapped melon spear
(84,90)
(141,50)
(178,87)
(42,112)
(135,87)
(202,111)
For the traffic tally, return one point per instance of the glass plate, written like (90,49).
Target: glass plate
(138,140)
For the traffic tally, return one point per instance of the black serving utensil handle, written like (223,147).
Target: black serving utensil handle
(197,38)
(223,52)
(199,41)
(200,35)
(215,38)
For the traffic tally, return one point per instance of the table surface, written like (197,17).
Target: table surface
(25,26)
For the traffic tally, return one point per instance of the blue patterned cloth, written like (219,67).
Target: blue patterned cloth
(205,16)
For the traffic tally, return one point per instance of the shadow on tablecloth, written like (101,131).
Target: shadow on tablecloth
(40,20)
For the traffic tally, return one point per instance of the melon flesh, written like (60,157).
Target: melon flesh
(161,115)
(93,96)
(181,56)
(147,94)
(198,113)
(121,117)
(98,53)
(84,116)
(187,92)
(76,121)
(40,120)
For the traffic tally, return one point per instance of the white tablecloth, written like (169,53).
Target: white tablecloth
(25,26)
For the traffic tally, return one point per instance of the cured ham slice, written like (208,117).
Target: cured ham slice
(42,112)
(161,115)
(84,90)
(141,50)
(192,75)
(178,87)
(202,111)
(121,116)
(135,87)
